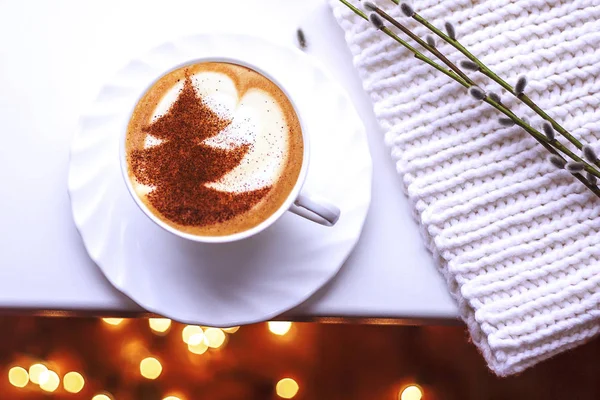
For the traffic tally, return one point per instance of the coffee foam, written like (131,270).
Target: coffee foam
(256,119)
(262,119)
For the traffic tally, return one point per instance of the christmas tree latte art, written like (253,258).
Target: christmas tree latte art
(214,148)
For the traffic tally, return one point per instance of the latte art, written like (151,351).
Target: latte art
(256,120)
(214,148)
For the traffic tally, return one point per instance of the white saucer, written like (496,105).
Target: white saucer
(221,284)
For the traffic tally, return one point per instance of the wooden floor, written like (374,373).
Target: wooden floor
(327,361)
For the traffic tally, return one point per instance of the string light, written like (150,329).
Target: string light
(102,397)
(411,392)
(159,325)
(189,331)
(150,368)
(233,329)
(73,382)
(199,348)
(214,337)
(113,321)
(49,381)
(279,327)
(35,371)
(287,388)
(18,377)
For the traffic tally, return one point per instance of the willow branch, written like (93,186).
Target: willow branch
(457,75)
(493,76)
(426,45)
(417,54)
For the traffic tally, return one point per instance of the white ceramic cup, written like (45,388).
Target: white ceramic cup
(298,202)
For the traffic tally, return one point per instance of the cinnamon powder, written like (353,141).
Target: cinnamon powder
(179,167)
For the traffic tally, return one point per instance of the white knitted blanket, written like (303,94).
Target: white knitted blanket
(517,241)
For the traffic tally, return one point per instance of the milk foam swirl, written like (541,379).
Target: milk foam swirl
(256,119)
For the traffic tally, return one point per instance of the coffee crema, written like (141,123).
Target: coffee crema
(214,148)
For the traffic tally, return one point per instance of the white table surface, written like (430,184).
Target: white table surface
(54,56)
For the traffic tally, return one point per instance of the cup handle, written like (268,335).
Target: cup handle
(319,211)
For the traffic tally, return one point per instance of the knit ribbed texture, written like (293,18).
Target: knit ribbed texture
(517,240)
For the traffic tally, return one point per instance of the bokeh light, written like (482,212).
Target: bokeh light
(171,398)
(411,392)
(49,381)
(18,377)
(233,329)
(159,325)
(279,327)
(43,377)
(287,388)
(214,337)
(150,368)
(112,321)
(199,348)
(35,371)
(196,339)
(73,382)
(102,396)
(189,331)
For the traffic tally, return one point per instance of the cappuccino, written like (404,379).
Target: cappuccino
(213,148)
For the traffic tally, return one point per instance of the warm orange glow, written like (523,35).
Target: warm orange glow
(192,331)
(159,325)
(134,349)
(150,368)
(35,371)
(73,382)
(279,327)
(113,321)
(49,381)
(171,398)
(233,329)
(18,377)
(411,392)
(214,337)
(287,388)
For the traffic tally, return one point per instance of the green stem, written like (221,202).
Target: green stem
(467,82)
(490,74)
(595,189)
(525,99)
(356,10)
(587,184)
(462,49)
(415,52)
(426,45)
(426,59)
(542,139)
